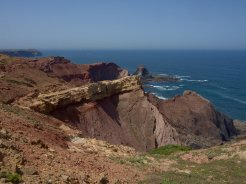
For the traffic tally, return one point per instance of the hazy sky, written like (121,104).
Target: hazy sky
(123,24)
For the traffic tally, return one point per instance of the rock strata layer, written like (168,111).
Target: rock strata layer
(47,103)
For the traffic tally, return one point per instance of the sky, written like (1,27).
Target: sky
(123,24)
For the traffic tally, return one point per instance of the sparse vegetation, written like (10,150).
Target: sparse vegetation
(222,171)
(19,82)
(19,112)
(168,182)
(169,149)
(134,160)
(11,177)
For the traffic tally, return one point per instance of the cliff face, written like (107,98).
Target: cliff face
(195,119)
(145,122)
(126,118)
(116,110)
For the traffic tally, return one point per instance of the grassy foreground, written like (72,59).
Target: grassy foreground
(174,164)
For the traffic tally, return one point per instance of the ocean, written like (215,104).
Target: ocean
(219,76)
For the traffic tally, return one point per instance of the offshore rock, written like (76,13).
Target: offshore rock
(142,72)
(147,77)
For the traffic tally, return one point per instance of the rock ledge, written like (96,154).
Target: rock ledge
(47,103)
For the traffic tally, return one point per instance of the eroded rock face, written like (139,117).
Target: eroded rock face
(146,122)
(195,119)
(46,103)
(127,118)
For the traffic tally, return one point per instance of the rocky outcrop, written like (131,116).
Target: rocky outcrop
(147,77)
(106,71)
(195,119)
(78,73)
(46,103)
(142,72)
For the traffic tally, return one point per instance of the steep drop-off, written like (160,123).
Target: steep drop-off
(116,110)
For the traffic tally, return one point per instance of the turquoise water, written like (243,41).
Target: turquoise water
(219,76)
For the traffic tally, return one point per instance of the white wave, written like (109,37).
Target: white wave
(233,98)
(230,97)
(159,96)
(165,88)
(182,76)
(238,100)
(190,80)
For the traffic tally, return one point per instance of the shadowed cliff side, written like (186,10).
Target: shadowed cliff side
(127,119)
(195,119)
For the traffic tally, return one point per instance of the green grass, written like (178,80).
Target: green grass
(138,161)
(216,172)
(169,149)
(230,170)
(168,182)
(11,177)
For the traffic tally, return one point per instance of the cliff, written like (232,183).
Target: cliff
(103,102)
(66,123)
(195,119)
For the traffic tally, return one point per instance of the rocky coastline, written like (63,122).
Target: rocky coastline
(96,111)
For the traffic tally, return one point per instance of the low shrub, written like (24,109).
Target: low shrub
(169,149)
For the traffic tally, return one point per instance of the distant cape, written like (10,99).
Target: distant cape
(21,52)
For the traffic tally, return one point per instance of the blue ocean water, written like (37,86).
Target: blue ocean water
(219,76)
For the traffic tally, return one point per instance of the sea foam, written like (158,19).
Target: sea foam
(165,88)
